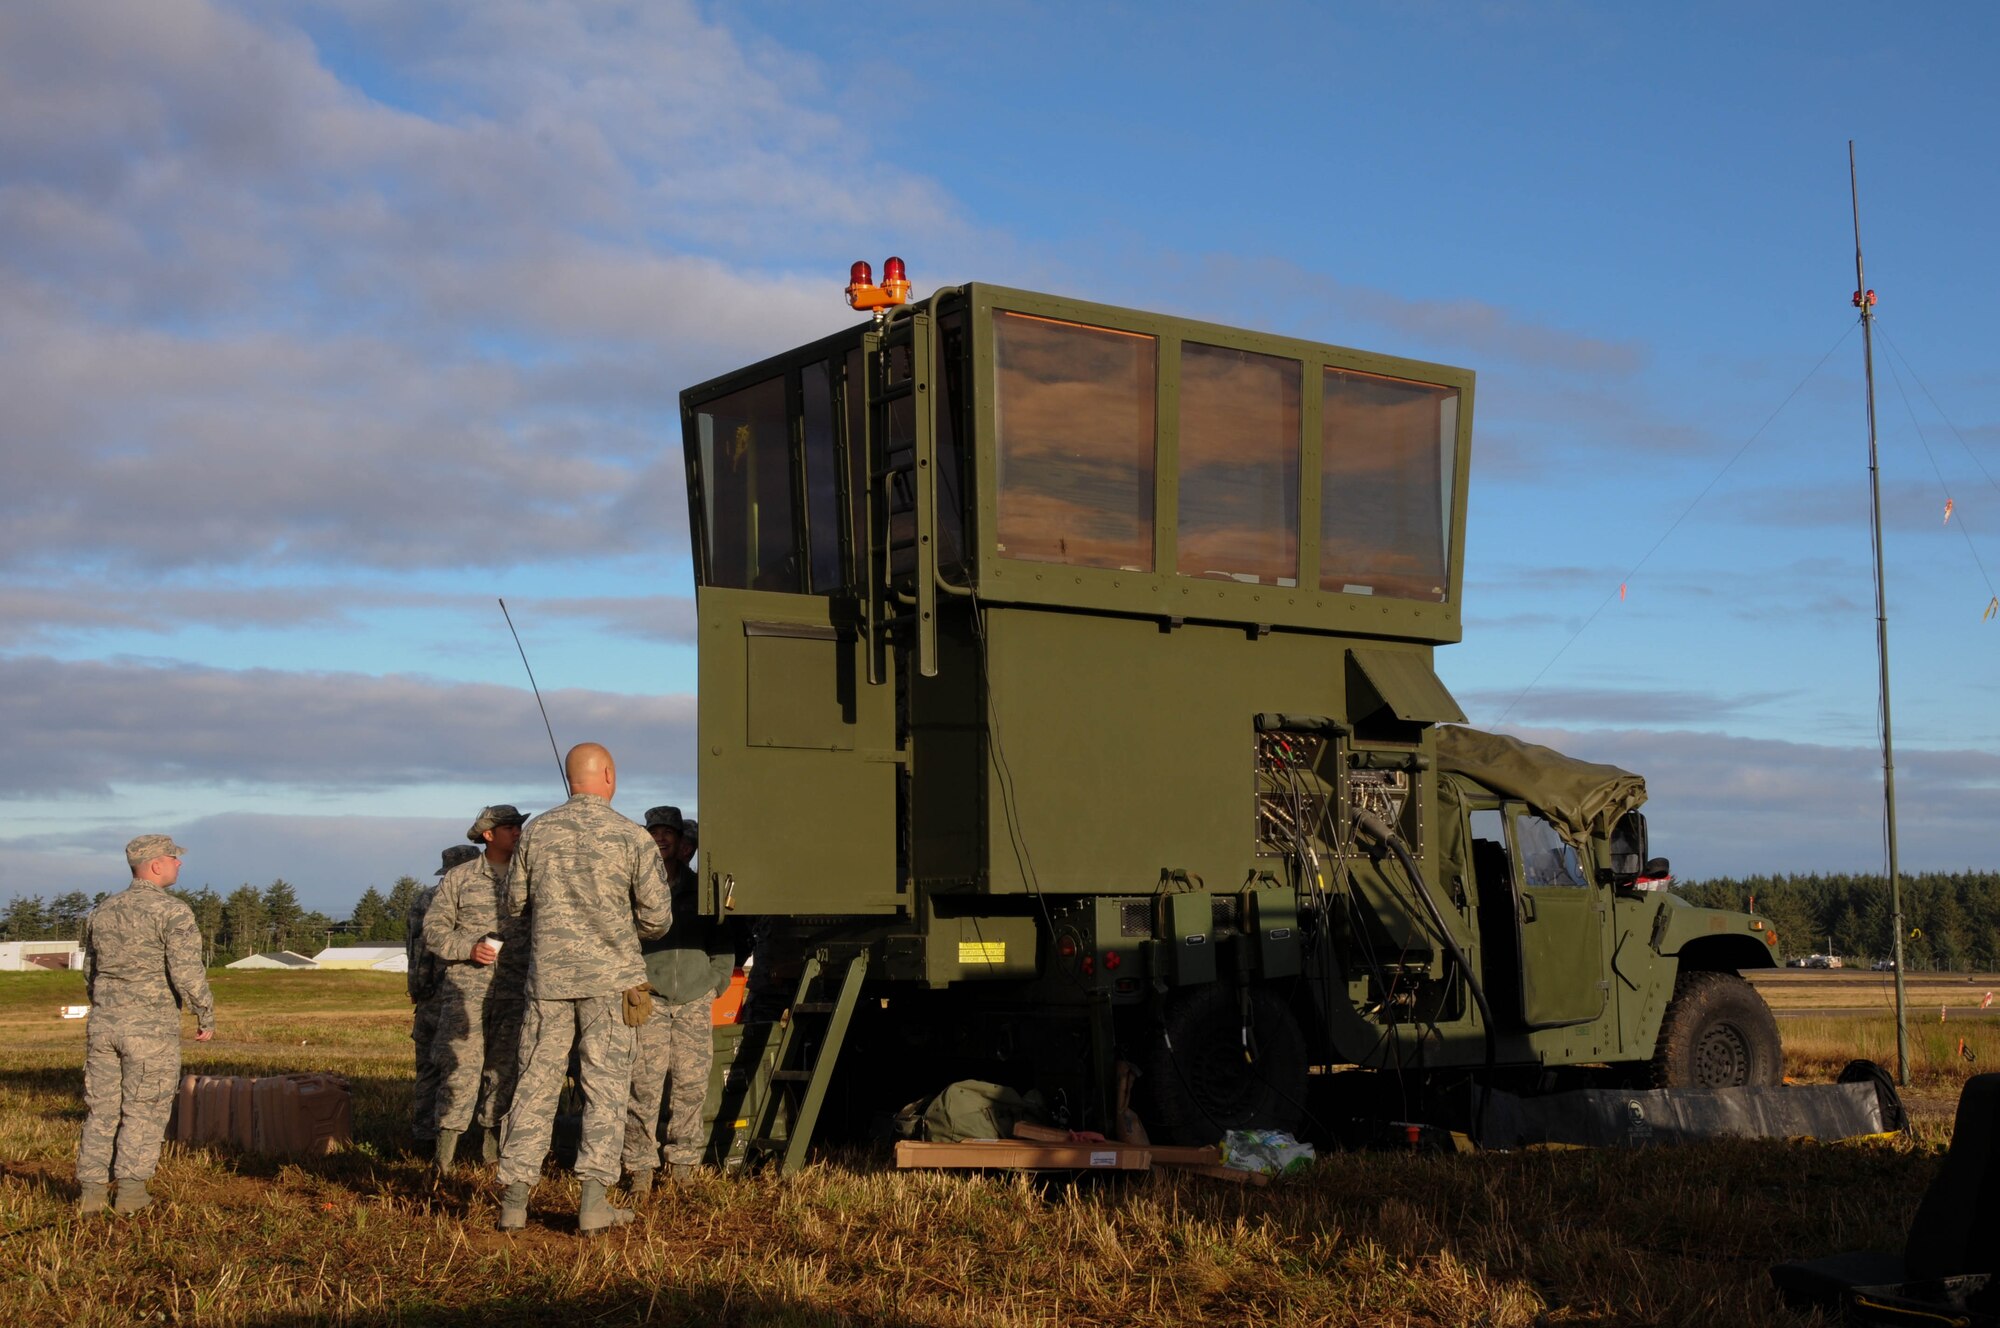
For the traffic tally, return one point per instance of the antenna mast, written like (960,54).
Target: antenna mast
(1864,300)
(562,774)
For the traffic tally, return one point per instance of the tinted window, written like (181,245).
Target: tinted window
(1387,450)
(746,482)
(822,476)
(1075,409)
(1239,465)
(1545,858)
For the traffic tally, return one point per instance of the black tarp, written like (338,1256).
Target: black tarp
(1610,1118)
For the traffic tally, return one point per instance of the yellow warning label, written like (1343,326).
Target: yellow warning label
(982,952)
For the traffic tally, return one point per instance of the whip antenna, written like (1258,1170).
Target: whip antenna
(561,773)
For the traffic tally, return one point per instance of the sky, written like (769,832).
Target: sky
(322,326)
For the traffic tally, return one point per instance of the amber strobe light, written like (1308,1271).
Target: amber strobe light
(863,293)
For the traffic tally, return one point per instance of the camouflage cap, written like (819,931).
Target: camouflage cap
(454,855)
(691,830)
(670,817)
(492,818)
(147,847)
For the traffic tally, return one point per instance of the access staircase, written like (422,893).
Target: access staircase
(791,1065)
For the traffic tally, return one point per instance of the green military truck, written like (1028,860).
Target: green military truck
(1066,700)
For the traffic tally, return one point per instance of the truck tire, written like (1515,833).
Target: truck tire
(1718,1033)
(1199,1083)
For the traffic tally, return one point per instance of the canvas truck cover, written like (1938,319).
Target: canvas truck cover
(1582,798)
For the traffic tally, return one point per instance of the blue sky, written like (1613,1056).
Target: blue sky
(323,326)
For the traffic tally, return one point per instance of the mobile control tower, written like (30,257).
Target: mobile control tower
(1066,699)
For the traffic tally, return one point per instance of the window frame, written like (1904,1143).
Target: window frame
(1163,592)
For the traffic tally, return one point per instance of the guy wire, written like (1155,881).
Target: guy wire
(562,775)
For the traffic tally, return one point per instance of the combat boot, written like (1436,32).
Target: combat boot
(594,1212)
(131,1198)
(639,1184)
(489,1143)
(96,1197)
(682,1172)
(447,1150)
(514,1206)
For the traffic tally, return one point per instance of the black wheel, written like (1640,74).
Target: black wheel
(1209,1070)
(1718,1033)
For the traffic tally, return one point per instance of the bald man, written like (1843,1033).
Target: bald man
(591,884)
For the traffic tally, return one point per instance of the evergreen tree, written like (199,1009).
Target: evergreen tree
(243,920)
(26,919)
(371,917)
(282,913)
(311,932)
(65,920)
(400,901)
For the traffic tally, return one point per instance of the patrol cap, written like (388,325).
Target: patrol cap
(147,847)
(454,855)
(493,818)
(691,830)
(670,817)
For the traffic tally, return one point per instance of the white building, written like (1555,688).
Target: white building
(288,960)
(381,958)
(16,956)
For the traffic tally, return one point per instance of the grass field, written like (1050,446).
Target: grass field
(1672,1236)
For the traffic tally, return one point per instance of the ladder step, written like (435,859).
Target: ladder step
(813,1007)
(791,1076)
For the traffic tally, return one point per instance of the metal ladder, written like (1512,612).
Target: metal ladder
(790,1082)
(901,539)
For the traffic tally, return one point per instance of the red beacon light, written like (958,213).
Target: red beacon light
(864,294)
(895,280)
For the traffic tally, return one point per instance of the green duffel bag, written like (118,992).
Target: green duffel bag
(970,1109)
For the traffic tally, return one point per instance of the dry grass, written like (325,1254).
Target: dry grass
(1676,1236)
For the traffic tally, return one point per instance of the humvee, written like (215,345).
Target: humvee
(1066,703)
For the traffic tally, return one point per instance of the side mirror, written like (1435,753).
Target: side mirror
(1658,868)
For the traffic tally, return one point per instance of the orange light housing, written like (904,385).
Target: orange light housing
(863,293)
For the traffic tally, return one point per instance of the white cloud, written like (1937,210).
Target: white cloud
(87,727)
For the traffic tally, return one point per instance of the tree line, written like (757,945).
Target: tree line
(245,921)
(1951,920)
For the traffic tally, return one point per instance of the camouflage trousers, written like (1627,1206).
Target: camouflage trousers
(129,1080)
(423,1098)
(675,1049)
(458,1049)
(503,1059)
(597,1027)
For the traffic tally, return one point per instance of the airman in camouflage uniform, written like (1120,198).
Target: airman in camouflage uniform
(468,929)
(422,976)
(686,969)
(142,962)
(592,884)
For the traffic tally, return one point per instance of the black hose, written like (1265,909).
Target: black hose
(1377,827)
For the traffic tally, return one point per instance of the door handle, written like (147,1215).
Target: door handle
(1527,908)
